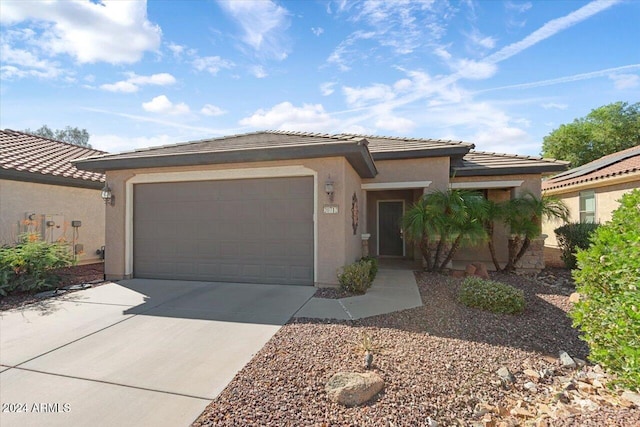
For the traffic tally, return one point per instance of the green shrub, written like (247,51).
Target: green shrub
(29,266)
(571,237)
(356,277)
(608,279)
(491,296)
(374,266)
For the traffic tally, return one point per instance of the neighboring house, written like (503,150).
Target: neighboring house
(42,192)
(592,191)
(286,207)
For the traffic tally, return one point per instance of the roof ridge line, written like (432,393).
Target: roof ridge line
(52,140)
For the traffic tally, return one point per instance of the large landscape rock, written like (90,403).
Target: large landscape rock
(353,388)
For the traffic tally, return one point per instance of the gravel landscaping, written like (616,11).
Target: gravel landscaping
(438,362)
(75,275)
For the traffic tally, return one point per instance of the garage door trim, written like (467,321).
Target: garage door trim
(215,175)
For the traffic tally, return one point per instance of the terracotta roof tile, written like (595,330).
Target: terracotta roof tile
(29,153)
(620,163)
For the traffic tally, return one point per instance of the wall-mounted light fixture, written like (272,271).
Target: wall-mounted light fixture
(107,195)
(328,188)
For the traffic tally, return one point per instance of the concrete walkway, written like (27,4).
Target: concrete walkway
(392,290)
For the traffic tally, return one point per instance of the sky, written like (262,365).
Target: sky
(499,74)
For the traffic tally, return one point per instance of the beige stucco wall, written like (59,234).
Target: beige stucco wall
(18,197)
(435,169)
(336,244)
(607,197)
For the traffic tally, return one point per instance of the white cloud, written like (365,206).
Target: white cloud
(326,88)
(442,53)
(286,116)
(20,63)
(113,32)
(212,110)
(162,105)
(554,106)
(264,24)
(395,124)
(566,79)
(551,28)
(176,49)
(357,97)
(212,64)
(344,54)
(502,139)
(518,7)
(317,30)
(115,143)
(133,83)
(259,72)
(479,40)
(475,70)
(400,27)
(625,81)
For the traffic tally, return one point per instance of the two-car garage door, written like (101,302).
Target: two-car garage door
(245,230)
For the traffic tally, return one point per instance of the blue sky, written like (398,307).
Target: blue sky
(500,74)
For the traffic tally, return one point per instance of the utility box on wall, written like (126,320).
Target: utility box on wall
(53,227)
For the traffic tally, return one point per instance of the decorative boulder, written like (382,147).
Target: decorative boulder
(353,388)
(481,270)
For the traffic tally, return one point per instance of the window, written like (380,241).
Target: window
(587,206)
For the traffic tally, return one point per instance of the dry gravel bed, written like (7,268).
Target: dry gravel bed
(437,361)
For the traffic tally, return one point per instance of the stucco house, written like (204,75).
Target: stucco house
(592,191)
(42,192)
(286,207)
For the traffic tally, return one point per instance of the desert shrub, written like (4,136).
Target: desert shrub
(356,277)
(608,279)
(374,266)
(571,237)
(29,265)
(491,296)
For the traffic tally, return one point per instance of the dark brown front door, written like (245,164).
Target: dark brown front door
(390,242)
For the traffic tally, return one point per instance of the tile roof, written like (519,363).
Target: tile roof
(486,163)
(280,139)
(620,163)
(22,153)
(258,145)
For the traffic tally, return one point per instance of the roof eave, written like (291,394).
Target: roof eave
(509,170)
(356,154)
(41,178)
(414,154)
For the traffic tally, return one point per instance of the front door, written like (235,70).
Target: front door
(390,242)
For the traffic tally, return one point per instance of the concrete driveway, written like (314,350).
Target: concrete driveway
(140,352)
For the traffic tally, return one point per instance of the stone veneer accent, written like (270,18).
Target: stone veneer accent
(533,259)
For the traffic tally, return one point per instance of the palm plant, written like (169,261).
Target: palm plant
(493,212)
(441,221)
(523,215)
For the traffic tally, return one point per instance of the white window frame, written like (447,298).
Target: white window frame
(583,196)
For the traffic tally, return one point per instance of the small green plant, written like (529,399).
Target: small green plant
(356,277)
(29,265)
(491,296)
(374,266)
(608,279)
(574,236)
(368,347)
